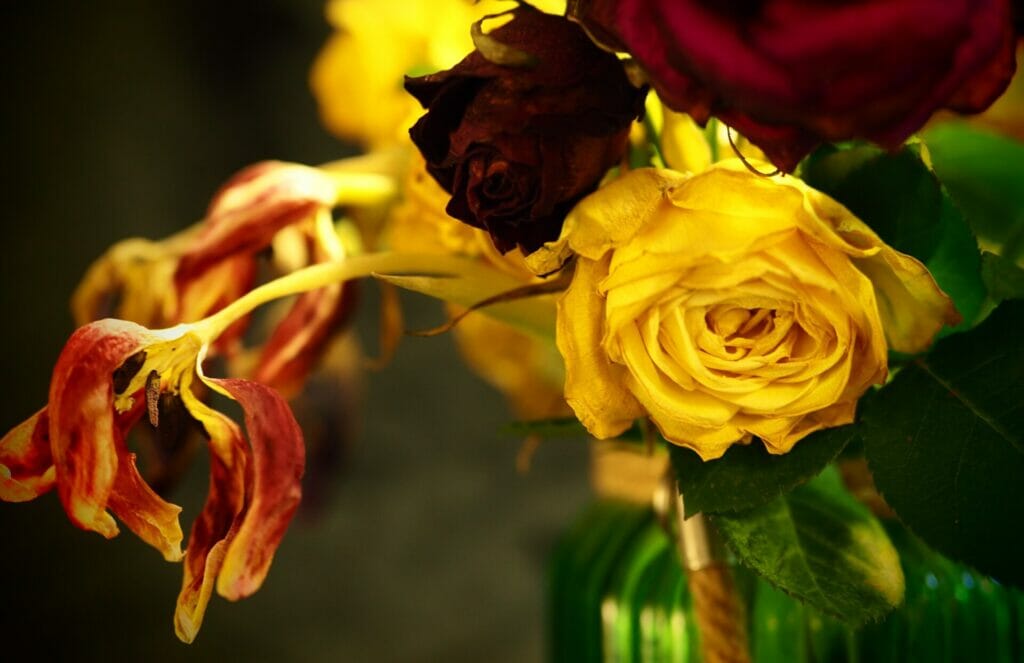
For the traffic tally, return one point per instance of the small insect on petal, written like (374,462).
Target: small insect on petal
(153,398)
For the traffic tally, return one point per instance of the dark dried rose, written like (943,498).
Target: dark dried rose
(790,74)
(518,145)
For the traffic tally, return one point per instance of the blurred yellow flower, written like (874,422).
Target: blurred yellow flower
(357,77)
(725,305)
(523,367)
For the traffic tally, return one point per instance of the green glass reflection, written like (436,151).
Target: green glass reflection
(618,594)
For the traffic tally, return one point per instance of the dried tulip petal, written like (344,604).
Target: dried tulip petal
(82,419)
(278,459)
(217,523)
(26,464)
(135,504)
(250,208)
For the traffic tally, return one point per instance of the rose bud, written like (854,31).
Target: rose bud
(519,138)
(789,74)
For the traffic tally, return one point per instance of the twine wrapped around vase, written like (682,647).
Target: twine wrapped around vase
(620,471)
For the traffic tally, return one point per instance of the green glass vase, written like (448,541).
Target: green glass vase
(618,593)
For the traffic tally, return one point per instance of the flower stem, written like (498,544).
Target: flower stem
(362,188)
(319,276)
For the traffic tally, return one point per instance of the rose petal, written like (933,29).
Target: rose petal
(789,75)
(610,216)
(26,464)
(912,306)
(594,386)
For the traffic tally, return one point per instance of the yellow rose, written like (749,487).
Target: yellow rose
(725,305)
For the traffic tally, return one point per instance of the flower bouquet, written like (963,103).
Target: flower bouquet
(749,250)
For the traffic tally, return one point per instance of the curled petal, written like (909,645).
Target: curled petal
(610,216)
(217,523)
(912,306)
(143,511)
(133,281)
(594,385)
(251,208)
(26,465)
(82,419)
(216,288)
(274,488)
(392,326)
(299,339)
(683,143)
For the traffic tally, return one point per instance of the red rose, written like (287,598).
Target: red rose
(790,74)
(518,144)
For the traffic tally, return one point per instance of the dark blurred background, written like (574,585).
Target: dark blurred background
(121,119)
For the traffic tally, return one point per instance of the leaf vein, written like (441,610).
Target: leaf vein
(969,404)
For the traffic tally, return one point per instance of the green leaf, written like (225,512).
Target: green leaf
(748,476)
(1003,279)
(944,444)
(820,545)
(956,265)
(982,172)
(901,199)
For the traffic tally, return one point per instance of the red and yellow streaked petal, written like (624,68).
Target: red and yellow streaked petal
(250,208)
(26,463)
(82,419)
(217,523)
(135,504)
(278,460)
(299,340)
(216,287)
